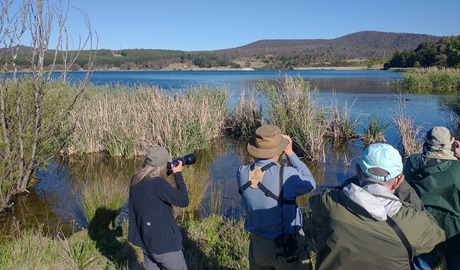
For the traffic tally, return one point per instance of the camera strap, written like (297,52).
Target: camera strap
(282,201)
(281,194)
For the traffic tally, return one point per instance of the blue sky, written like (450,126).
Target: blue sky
(210,25)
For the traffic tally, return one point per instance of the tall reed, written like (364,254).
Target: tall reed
(453,107)
(408,131)
(245,117)
(295,107)
(374,130)
(344,123)
(108,192)
(125,121)
(197,182)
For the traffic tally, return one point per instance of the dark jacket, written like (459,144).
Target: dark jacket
(438,185)
(151,222)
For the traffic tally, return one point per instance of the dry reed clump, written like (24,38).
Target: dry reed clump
(408,131)
(297,110)
(124,122)
(245,117)
(344,123)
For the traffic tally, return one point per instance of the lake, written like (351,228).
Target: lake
(368,92)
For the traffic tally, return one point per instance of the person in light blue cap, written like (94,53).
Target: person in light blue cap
(364,225)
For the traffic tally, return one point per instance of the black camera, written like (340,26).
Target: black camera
(289,243)
(186,160)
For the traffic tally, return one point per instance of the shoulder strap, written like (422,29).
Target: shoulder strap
(242,188)
(282,200)
(263,188)
(403,238)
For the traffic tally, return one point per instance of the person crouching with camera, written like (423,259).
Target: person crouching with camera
(151,222)
(269,191)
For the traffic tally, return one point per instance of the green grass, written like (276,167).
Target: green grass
(374,130)
(429,80)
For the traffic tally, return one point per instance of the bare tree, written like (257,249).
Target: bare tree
(33,113)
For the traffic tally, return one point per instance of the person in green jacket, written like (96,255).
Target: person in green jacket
(435,176)
(359,223)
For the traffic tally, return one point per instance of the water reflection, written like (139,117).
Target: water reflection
(54,200)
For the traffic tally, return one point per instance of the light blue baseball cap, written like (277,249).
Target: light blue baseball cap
(381,161)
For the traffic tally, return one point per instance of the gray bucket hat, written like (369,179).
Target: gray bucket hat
(438,143)
(157,156)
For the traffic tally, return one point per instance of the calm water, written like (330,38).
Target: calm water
(368,92)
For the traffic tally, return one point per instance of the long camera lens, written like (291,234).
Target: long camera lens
(188,159)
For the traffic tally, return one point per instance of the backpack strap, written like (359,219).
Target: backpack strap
(242,188)
(403,238)
(263,188)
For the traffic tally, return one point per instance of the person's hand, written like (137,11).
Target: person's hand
(177,168)
(457,149)
(288,149)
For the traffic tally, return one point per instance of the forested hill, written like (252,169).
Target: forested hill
(369,48)
(361,44)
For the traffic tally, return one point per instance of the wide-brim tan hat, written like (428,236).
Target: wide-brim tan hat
(267,142)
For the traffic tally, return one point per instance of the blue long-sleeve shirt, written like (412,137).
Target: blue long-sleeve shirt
(151,221)
(263,215)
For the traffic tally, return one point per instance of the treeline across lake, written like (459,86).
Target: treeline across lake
(131,59)
(444,53)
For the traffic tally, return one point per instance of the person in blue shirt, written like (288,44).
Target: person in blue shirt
(151,221)
(269,191)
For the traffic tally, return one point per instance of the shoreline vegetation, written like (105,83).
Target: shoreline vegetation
(123,121)
(43,119)
(181,67)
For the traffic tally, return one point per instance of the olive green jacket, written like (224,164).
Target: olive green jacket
(354,238)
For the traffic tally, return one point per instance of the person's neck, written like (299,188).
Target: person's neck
(275,158)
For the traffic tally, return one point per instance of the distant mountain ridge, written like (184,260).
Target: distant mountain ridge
(366,48)
(359,44)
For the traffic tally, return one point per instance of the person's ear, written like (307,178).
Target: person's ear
(397,182)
